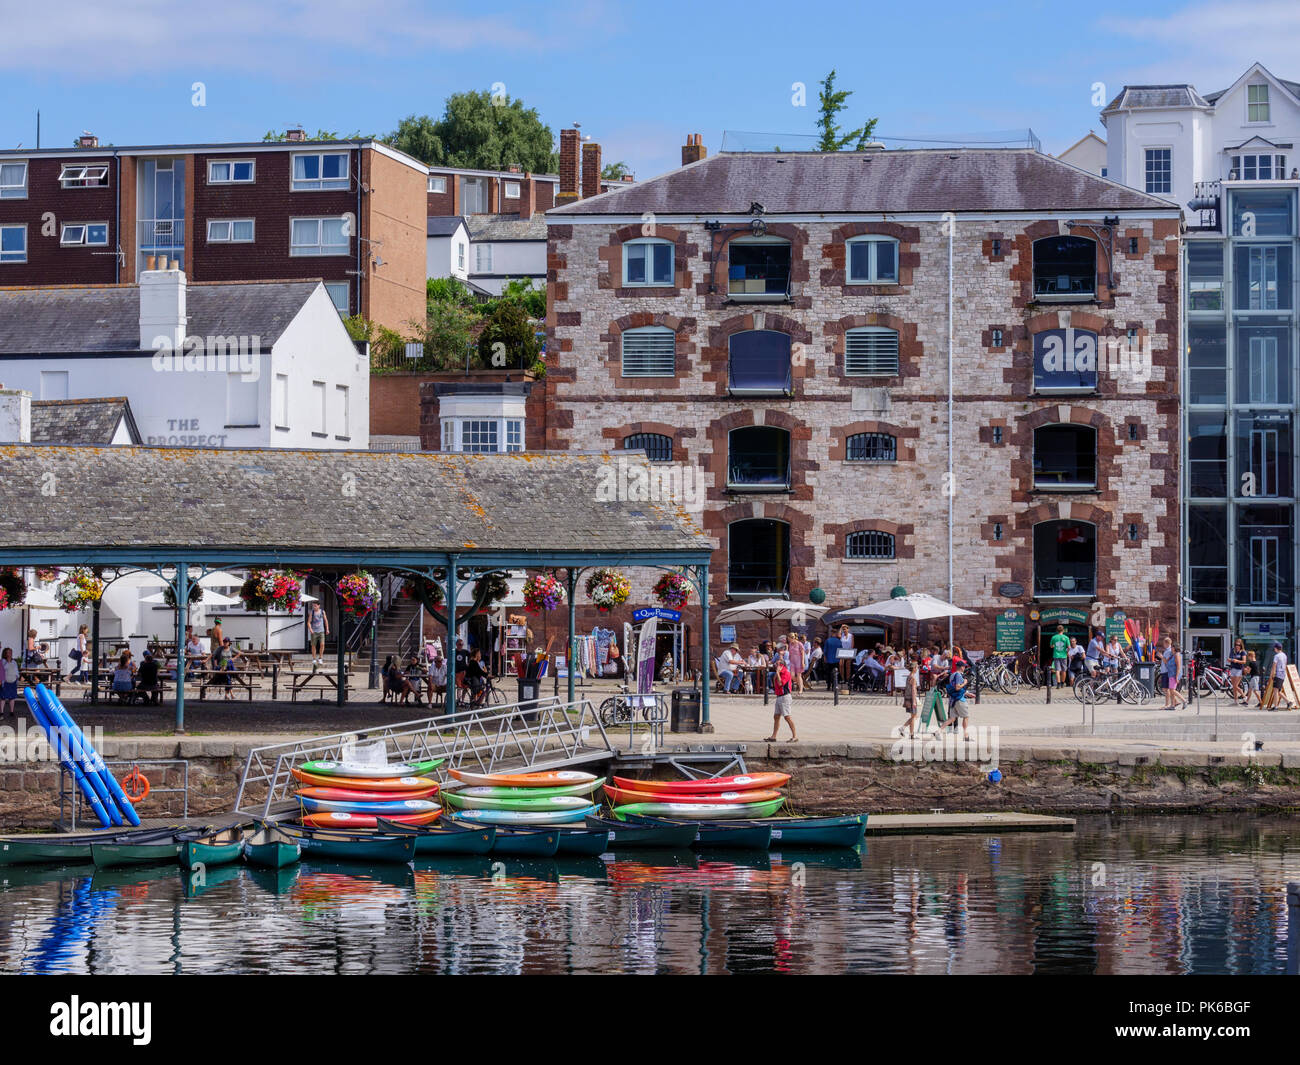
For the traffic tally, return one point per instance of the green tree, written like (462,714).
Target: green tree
(614,171)
(448,334)
(509,338)
(447,290)
(480,131)
(832,101)
(521,292)
(321,135)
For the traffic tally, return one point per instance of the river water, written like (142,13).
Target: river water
(1176,894)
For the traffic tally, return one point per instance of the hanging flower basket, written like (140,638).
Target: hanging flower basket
(423,590)
(672,589)
(542,592)
(47,574)
(14,587)
(608,588)
(358,592)
(496,586)
(79,588)
(196,595)
(270,589)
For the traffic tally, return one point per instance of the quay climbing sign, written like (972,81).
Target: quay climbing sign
(1009,627)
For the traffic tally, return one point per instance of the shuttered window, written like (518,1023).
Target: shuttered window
(649,352)
(871,352)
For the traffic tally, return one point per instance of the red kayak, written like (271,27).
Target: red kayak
(341,820)
(745,782)
(354,795)
(627,796)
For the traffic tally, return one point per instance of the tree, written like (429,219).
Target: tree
(448,333)
(521,292)
(481,131)
(509,339)
(832,101)
(614,171)
(447,290)
(321,135)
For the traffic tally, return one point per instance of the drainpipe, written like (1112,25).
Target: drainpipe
(950,485)
(117,221)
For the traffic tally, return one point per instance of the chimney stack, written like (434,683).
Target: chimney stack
(569,141)
(295,133)
(693,150)
(590,170)
(15,416)
(162,310)
(87,140)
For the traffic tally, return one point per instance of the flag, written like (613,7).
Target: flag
(1070,534)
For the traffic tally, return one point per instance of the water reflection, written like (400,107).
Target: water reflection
(1149,895)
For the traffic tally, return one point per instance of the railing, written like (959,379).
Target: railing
(1064,585)
(758,474)
(545,734)
(161,235)
(70,794)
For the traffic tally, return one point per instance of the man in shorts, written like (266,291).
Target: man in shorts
(959,708)
(318,627)
(1060,653)
(781,683)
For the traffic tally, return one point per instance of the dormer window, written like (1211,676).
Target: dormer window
(1257,103)
(873,261)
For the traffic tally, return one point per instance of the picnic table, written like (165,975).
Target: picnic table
(213,678)
(265,661)
(136,695)
(50,676)
(303,681)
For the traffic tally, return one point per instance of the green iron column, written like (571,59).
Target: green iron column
(573,641)
(181,590)
(705,654)
(452,592)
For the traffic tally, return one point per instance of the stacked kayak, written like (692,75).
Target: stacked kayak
(735,798)
(355,795)
(549,798)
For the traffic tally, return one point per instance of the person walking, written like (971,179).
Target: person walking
(1277,673)
(1171,663)
(798,660)
(78,654)
(8,683)
(911,695)
(1237,670)
(958,706)
(781,687)
(1060,644)
(318,627)
(1250,675)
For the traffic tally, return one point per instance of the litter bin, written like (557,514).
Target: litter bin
(1145,672)
(530,690)
(685,713)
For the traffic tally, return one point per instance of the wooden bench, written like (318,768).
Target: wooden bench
(136,695)
(226,680)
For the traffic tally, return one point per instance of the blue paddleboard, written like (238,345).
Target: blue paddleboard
(78,776)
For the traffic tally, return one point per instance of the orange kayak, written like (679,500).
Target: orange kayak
(744,782)
(627,796)
(554,779)
(357,795)
(341,820)
(405,785)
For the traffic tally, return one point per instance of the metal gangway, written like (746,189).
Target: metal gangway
(541,734)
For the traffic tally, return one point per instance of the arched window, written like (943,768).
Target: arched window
(871,447)
(1065,458)
(871,352)
(759,362)
(647,263)
(873,260)
(869,545)
(657,446)
(649,352)
(758,458)
(1065,559)
(758,557)
(1065,268)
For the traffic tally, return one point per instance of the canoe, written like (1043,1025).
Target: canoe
(623,796)
(400,806)
(666,835)
(114,855)
(271,849)
(338,819)
(686,811)
(362,771)
(556,778)
(69,850)
(584,788)
(555,803)
(542,843)
(743,835)
(585,841)
(205,878)
(744,782)
(521,817)
(448,839)
(354,848)
(794,832)
(212,849)
(389,784)
(361,795)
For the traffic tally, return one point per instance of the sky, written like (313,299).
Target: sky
(638,77)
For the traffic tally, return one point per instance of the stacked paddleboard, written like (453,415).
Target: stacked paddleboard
(355,795)
(735,798)
(552,798)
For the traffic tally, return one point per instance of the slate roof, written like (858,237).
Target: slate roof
(443,225)
(487,227)
(81,421)
(1146,97)
(880,181)
(278,500)
(107,318)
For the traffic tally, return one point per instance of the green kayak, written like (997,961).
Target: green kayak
(703,811)
(555,804)
(481,792)
(325,768)
(271,849)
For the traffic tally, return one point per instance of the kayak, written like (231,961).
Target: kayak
(479,792)
(625,795)
(359,795)
(703,811)
(109,855)
(338,819)
(271,849)
(553,779)
(524,844)
(402,784)
(846,831)
(521,817)
(744,782)
(460,801)
(369,772)
(400,806)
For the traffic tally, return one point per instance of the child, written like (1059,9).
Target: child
(1250,677)
(8,682)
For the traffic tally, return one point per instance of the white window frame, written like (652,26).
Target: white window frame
(873,277)
(1146,169)
(872,330)
(482,256)
(232,180)
(512,190)
(280,401)
(646,331)
(78,175)
(7,257)
(650,282)
(294,249)
(1250,104)
(487,432)
(320,400)
(83,239)
(438,184)
(320,184)
(460,254)
(514,438)
(12,191)
(230,237)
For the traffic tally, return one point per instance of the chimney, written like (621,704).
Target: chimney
(590,170)
(628,178)
(87,140)
(15,416)
(693,150)
(295,133)
(162,310)
(569,141)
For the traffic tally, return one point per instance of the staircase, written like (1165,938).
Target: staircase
(394,624)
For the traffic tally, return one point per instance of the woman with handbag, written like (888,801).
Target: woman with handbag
(78,655)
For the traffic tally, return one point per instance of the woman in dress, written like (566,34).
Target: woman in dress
(798,660)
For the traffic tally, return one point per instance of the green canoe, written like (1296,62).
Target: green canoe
(271,849)
(70,850)
(354,847)
(113,855)
(482,792)
(555,804)
(451,839)
(703,811)
(216,848)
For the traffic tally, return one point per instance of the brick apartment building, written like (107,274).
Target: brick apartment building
(351,213)
(890,368)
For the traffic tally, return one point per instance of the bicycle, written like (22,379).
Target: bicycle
(1109,685)
(621,709)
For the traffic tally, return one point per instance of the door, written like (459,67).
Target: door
(1213,640)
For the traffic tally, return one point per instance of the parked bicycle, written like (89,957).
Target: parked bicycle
(1110,684)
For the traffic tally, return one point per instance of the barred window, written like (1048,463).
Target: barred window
(871,353)
(869,545)
(657,446)
(871,447)
(649,352)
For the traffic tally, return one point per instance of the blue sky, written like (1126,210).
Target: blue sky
(638,76)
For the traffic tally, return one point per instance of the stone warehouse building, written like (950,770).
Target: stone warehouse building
(951,370)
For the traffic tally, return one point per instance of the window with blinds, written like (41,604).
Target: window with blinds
(869,545)
(649,352)
(871,353)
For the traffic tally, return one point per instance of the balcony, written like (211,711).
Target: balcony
(161,236)
(1065,586)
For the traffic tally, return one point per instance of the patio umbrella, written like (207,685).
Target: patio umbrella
(915,607)
(772,610)
(210,598)
(40,598)
(221,579)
